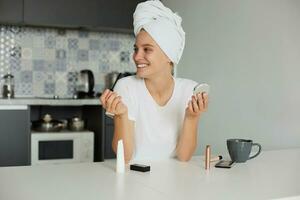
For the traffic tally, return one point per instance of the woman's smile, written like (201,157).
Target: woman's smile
(141,65)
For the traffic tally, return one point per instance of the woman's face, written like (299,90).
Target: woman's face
(149,59)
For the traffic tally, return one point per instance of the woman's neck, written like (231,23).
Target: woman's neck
(161,89)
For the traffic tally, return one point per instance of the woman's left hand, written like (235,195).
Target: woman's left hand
(197,105)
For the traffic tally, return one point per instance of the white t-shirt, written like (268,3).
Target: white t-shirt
(156,127)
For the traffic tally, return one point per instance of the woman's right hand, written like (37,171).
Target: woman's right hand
(112,103)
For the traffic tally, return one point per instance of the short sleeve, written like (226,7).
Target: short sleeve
(125,89)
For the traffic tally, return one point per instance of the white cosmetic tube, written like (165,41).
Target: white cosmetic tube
(120,158)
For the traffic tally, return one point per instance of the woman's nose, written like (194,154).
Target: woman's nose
(137,55)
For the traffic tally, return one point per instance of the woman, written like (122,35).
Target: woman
(155,114)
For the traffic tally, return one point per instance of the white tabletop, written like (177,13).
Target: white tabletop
(272,175)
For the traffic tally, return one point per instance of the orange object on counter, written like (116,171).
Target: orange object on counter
(207,157)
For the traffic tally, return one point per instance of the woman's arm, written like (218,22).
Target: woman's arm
(123,130)
(123,127)
(187,141)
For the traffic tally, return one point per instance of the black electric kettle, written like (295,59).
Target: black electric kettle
(85,84)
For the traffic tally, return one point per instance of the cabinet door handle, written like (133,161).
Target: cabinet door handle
(13,107)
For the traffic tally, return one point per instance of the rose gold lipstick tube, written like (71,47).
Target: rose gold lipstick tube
(207,157)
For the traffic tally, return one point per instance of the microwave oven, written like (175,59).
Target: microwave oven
(62,147)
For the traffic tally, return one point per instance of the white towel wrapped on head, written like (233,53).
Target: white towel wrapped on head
(163,25)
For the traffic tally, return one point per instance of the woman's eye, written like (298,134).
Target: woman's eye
(135,49)
(147,49)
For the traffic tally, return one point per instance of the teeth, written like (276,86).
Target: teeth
(141,65)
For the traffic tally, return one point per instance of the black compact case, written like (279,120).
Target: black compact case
(140,168)
(224,164)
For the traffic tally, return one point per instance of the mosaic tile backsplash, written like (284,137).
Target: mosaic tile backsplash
(44,62)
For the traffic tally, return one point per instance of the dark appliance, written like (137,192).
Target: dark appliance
(85,84)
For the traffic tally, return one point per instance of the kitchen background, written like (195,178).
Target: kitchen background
(45,61)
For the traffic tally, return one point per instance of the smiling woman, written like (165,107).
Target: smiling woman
(155,114)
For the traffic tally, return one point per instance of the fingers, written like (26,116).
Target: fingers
(109,100)
(103,97)
(198,103)
(195,104)
(114,103)
(205,101)
(202,100)
(190,107)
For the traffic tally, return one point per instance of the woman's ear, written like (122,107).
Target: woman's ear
(171,66)
(169,61)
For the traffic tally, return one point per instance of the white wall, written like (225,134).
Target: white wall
(249,52)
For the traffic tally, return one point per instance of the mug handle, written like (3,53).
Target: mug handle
(259,150)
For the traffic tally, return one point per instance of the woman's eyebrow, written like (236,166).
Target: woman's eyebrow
(144,45)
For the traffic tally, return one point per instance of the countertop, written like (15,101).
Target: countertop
(49,101)
(272,175)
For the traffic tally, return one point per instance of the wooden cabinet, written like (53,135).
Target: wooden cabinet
(117,14)
(11,11)
(109,133)
(70,13)
(90,14)
(111,15)
(14,135)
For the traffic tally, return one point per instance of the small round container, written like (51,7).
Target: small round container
(76,124)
